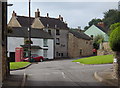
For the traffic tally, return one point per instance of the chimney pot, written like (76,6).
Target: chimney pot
(101,24)
(60,17)
(47,15)
(14,14)
(37,14)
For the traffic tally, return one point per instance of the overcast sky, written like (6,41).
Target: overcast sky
(74,13)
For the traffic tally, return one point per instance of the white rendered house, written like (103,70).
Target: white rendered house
(43,43)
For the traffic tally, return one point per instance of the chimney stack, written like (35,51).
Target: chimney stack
(101,24)
(47,15)
(60,17)
(37,14)
(14,14)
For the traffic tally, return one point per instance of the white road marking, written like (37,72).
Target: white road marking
(63,74)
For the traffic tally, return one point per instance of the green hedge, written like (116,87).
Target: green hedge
(115,39)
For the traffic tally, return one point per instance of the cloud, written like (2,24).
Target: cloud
(75,13)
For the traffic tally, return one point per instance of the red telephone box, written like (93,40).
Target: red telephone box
(18,54)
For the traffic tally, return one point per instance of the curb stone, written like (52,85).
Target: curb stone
(21,68)
(99,78)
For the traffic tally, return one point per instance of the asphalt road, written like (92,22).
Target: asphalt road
(64,73)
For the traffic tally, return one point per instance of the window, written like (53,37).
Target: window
(61,54)
(86,42)
(57,32)
(45,53)
(57,54)
(57,41)
(45,42)
(49,31)
(80,51)
(45,29)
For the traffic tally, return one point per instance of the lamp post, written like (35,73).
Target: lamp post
(29,32)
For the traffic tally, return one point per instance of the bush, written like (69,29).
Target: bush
(115,39)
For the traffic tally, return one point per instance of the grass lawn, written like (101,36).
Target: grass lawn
(17,65)
(105,59)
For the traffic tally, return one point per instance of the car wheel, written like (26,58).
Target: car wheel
(41,60)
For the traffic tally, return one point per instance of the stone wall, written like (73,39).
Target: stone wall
(105,52)
(78,47)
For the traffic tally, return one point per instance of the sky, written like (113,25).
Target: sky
(74,13)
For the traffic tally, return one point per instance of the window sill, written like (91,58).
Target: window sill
(45,46)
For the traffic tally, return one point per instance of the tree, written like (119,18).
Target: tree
(97,41)
(93,21)
(110,17)
(113,26)
(115,46)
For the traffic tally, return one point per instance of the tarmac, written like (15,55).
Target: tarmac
(18,80)
(107,77)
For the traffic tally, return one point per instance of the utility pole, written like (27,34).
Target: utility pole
(29,32)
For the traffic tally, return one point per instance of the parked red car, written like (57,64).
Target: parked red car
(34,57)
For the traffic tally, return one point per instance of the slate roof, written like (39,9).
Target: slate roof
(80,35)
(24,22)
(102,29)
(35,33)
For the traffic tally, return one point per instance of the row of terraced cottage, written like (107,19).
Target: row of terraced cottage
(51,37)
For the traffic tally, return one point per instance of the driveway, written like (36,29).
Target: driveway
(64,73)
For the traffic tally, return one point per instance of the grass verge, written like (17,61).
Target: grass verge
(17,65)
(105,59)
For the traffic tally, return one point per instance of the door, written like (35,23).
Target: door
(12,56)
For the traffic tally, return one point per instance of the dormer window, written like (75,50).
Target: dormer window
(47,25)
(55,26)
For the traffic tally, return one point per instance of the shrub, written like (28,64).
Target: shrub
(115,39)
(28,42)
(114,26)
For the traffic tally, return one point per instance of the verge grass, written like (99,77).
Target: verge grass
(105,59)
(17,65)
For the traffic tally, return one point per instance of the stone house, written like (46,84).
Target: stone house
(56,27)
(79,44)
(42,42)
(4,71)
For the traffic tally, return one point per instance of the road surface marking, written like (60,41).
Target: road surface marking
(63,74)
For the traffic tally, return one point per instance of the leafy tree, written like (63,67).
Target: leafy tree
(97,40)
(115,39)
(110,17)
(93,21)
(113,26)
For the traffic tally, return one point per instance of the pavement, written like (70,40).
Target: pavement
(14,80)
(107,77)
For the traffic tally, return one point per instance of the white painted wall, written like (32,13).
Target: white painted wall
(14,42)
(50,53)
(50,49)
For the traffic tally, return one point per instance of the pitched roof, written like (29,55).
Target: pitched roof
(23,32)
(24,22)
(80,35)
(102,29)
